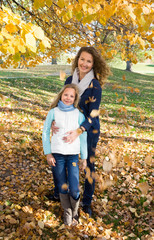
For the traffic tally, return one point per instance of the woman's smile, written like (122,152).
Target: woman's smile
(85,64)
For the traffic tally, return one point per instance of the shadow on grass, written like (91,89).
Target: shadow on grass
(20,99)
(127,139)
(150,65)
(37,115)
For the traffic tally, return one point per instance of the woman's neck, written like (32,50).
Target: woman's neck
(81,76)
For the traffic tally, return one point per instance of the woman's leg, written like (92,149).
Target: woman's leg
(89,187)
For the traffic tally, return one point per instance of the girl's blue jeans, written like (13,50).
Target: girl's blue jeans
(66,171)
(88,187)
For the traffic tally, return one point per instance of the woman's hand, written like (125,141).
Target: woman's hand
(71,136)
(51,160)
(83,164)
(54,128)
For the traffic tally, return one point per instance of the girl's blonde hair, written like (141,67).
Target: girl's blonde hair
(58,97)
(100,67)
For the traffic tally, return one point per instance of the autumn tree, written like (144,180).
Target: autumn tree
(109,25)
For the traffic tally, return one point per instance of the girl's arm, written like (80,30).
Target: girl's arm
(46,132)
(51,160)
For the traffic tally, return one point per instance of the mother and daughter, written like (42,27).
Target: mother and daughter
(74,132)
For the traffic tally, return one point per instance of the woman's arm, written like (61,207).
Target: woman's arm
(73,134)
(93,106)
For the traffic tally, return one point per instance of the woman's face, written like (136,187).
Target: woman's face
(85,63)
(68,96)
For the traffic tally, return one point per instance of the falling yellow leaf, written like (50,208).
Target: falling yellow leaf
(107,166)
(74,164)
(90,180)
(90,99)
(62,75)
(87,172)
(124,77)
(113,159)
(119,100)
(64,186)
(136,90)
(91,85)
(95,131)
(92,159)
(89,120)
(94,113)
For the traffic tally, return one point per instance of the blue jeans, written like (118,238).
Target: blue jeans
(66,171)
(88,187)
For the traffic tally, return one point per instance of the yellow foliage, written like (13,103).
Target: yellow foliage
(11,28)
(30,42)
(70,24)
(1,38)
(38,32)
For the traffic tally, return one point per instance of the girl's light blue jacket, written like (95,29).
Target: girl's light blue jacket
(47,133)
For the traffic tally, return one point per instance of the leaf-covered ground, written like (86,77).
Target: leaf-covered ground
(122,204)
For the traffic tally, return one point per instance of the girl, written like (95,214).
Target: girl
(63,156)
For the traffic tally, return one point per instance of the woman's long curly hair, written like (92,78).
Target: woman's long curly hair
(58,97)
(100,67)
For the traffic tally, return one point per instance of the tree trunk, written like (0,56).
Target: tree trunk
(54,60)
(128,66)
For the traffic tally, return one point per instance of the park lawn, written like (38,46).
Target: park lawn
(123,196)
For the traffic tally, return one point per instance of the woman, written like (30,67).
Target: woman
(89,73)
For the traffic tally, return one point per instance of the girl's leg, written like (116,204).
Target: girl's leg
(60,172)
(73,175)
(73,179)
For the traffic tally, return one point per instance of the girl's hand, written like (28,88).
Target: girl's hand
(83,164)
(51,160)
(54,128)
(72,135)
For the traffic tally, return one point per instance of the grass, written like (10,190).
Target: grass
(127,98)
(126,131)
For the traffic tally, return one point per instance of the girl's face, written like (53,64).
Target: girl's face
(68,96)
(85,63)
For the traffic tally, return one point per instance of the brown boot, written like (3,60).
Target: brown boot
(66,205)
(75,207)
